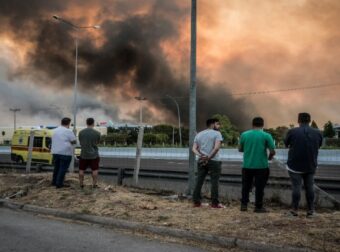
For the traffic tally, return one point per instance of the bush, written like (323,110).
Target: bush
(332,142)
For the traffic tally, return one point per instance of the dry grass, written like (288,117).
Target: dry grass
(321,233)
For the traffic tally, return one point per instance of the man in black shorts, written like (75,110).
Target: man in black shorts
(89,157)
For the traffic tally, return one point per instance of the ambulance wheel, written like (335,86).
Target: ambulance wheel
(20,160)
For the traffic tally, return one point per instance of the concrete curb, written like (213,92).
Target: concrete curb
(177,233)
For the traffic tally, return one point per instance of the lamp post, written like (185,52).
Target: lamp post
(179,119)
(15,110)
(192,100)
(140,99)
(75,27)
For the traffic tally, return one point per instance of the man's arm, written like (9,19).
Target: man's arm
(217,147)
(240,146)
(271,147)
(72,137)
(195,149)
(321,139)
(287,139)
(271,154)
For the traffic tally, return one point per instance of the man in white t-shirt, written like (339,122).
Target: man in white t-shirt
(62,151)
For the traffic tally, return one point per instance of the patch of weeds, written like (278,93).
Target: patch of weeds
(85,210)
(162,218)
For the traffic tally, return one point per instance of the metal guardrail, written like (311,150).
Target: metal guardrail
(328,184)
(326,157)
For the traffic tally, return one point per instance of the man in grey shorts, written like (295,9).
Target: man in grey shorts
(206,146)
(89,157)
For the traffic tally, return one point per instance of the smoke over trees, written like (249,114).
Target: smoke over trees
(128,55)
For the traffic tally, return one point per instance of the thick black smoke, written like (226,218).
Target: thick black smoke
(131,51)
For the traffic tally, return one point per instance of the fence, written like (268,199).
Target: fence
(331,157)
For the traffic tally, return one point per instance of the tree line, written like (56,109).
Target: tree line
(165,135)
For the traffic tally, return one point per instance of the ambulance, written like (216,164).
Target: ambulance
(41,152)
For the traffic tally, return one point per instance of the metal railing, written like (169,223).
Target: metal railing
(331,157)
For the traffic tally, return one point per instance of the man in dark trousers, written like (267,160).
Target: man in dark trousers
(304,143)
(89,157)
(62,140)
(254,144)
(207,143)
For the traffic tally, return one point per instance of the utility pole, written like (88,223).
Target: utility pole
(15,110)
(192,100)
(140,99)
(179,119)
(75,88)
(140,139)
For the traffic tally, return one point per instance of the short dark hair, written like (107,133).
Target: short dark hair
(258,122)
(212,121)
(304,117)
(89,121)
(65,121)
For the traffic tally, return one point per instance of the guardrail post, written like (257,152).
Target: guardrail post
(120,176)
(138,153)
(29,154)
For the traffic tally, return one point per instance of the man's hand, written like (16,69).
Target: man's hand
(203,160)
(271,155)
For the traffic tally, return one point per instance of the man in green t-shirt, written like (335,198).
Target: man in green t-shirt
(254,144)
(89,157)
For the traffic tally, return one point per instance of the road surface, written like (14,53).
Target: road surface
(228,167)
(21,231)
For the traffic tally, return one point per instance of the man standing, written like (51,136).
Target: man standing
(254,144)
(304,143)
(89,157)
(62,140)
(206,146)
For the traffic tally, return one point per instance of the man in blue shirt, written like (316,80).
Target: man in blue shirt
(304,143)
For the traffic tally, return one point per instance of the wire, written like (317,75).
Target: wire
(262,92)
(284,90)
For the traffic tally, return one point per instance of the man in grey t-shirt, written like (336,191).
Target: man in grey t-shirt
(206,146)
(89,157)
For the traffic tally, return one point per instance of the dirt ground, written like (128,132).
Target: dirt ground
(321,233)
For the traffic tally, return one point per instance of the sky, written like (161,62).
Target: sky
(254,58)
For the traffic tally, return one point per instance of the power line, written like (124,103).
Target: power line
(284,90)
(250,93)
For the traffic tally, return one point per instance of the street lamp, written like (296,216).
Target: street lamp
(140,99)
(75,27)
(192,99)
(15,110)
(179,119)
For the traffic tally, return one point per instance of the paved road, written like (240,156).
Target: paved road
(228,167)
(21,231)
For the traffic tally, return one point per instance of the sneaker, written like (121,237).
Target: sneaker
(260,210)
(244,208)
(219,205)
(311,214)
(198,204)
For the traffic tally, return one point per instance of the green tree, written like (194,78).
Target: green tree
(278,134)
(228,130)
(149,139)
(168,130)
(328,130)
(314,125)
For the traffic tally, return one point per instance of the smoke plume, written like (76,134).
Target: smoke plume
(128,55)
